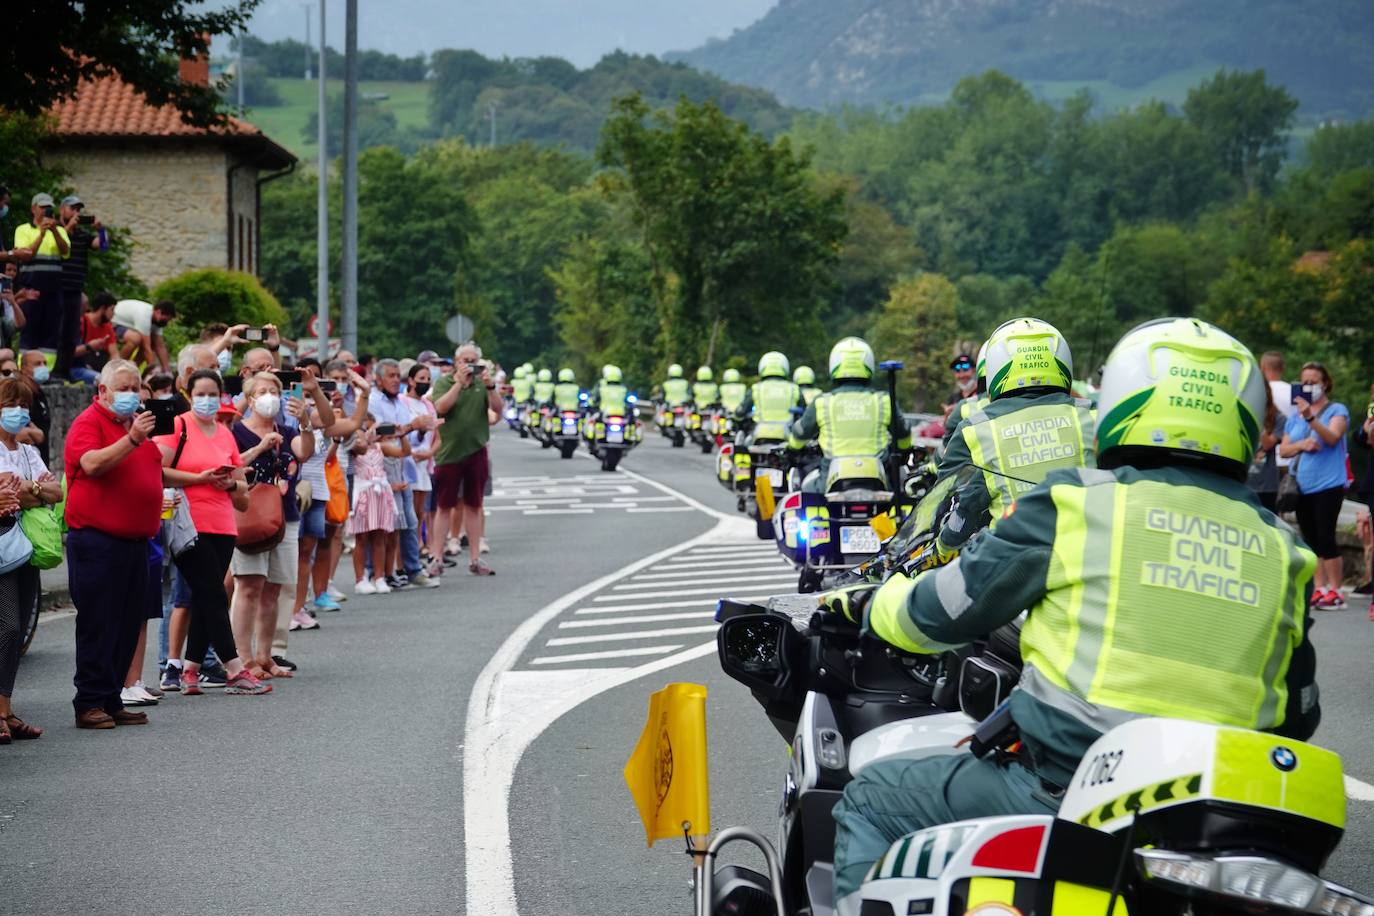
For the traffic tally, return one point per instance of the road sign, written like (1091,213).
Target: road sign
(314,326)
(458,329)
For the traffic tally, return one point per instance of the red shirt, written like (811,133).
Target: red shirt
(124,502)
(97,336)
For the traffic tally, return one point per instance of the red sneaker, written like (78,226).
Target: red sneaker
(190,683)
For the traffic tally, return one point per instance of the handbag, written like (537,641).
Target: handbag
(15,548)
(42,525)
(1288,489)
(263,524)
(336,510)
(181,530)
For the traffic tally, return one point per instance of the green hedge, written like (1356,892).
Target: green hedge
(203,297)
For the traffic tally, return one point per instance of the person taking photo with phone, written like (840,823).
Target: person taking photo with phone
(1315,436)
(85,234)
(41,246)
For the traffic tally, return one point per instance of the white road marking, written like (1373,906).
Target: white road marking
(699,571)
(670,632)
(753,562)
(657,605)
(593,656)
(696,579)
(684,592)
(557,512)
(642,618)
(1360,791)
(663,509)
(743,549)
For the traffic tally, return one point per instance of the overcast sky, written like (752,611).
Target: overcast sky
(579,30)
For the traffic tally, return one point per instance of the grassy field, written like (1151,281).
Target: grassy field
(1171,88)
(286,123)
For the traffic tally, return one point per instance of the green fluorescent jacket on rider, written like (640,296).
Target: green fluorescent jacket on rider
(521,389)
(852,420)
(675,392)
(566,396)
(543,392)
(705,394)
(1162,592)
(1014,442)
(732,395)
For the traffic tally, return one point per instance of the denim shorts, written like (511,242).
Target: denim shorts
(181,592)
(312,521)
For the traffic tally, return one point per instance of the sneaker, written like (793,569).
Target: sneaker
(397,582)
(1335,600)
(434,570)
(244,684)
(423,580)
(1366,589)
(485,548)
(364,587)
(213,676)
(133,696)
(380,586)
(281,661)
(463,541)
(171,679)
(326,603)
(334,593)
(451,547)
(153,692)
(190,684)
(303,621)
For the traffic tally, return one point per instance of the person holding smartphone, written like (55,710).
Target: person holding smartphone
(86,234)
(203,459)
(1315,436)
(41,246)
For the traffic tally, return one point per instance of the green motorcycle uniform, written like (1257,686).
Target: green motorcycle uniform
(543,392)
(1129,575)
(610,398)
(705,394)
(810,393)
(521,389)
(567,396)
(852,423)
(769,405)
(1015,442)
(676,392)
(732,395)
(965,408)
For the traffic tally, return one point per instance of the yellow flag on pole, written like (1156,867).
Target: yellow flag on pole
(667,773)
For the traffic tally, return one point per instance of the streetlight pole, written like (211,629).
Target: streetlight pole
(322,206)
(350,178)
(308,77)
(239,74)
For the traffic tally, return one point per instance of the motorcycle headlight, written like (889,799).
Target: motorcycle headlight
(1250,878)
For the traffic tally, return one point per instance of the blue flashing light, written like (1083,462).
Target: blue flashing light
(632,399)
(803,531)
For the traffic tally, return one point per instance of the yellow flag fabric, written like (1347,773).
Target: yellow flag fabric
(667,773)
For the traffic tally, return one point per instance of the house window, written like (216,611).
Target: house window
(238,260)
(250,250)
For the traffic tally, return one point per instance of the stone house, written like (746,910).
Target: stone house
(188,196)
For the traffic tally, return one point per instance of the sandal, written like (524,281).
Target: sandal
(19,730)
(258,671)
(5,735)
(275,671)
(480,569)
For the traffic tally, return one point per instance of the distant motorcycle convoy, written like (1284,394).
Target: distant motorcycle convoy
(1163,816)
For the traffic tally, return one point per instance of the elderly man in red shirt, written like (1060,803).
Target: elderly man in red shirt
(114,506)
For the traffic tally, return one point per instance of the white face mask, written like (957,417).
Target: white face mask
(266,405)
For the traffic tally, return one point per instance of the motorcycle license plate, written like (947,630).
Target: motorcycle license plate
(775,477)
(569,426)
(615,435)
(681,421)
(858,539)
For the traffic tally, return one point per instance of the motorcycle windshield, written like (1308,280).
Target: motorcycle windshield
(927,515)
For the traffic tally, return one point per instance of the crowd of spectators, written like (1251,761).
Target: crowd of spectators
(219,494)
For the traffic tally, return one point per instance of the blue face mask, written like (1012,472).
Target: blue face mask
(224,360)
(13,419)
(124,403)
(4,211)
(40,373)
(205,405)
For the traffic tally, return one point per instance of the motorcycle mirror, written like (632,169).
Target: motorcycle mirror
(798,411)
(891,365)
(754,649)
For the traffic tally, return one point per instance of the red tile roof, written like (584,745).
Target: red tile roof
(111,108)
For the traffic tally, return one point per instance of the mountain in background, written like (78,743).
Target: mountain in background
(820,53)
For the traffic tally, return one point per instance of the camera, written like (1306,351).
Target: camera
(86,219)
(254,334)
(48,211)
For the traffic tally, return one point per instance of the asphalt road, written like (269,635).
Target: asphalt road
(345,788)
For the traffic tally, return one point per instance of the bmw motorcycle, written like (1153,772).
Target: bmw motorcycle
(1162,818)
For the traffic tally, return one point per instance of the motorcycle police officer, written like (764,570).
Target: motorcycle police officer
(566,394)
(522,386)
(732,390)
(543,387)
(768,405)
(705,392)
(1030,426)
(1157,585)
(805,377)
(675,388)
(852,421)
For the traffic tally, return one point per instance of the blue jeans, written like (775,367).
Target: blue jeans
(407,525)
(174,594)
(83,374)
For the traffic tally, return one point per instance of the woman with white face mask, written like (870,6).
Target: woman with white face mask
(275,453)
(1315,435)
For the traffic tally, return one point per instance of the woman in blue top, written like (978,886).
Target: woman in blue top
(1316,433)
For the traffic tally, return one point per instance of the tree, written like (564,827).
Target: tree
(142,41)
(607,308)
(209,295)
(732,224)
(1335,148)
(917,325)
(876,252)
(1246,121)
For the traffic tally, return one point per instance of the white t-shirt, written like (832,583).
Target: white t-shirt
(24,462)
(1282,393)
(136,314)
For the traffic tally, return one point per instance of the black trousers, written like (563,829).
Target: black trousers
(203,567)
(18,591)
(68,331)
(108,577)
